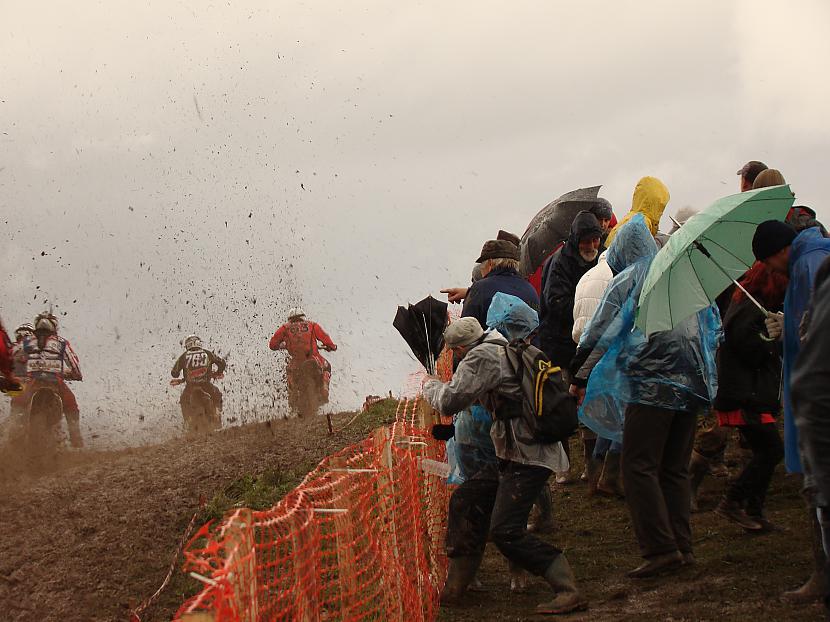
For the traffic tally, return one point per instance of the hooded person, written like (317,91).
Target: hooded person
(633,242)
(559,280)
(798,255)
(561,275)
(646,391)
(650,199)
(498,499)
(811,399)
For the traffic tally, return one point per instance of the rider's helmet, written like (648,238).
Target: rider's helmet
(46,323)
(191,342)
(24,329)
(296,313)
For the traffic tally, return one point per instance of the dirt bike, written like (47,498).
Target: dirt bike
(39,430)
(199,411)
(306,388)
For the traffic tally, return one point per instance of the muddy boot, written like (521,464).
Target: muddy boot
(813,589)
(698,468)
(542,522)
(460,574)
(732,511)
(610,484)
(561,578)
(594,471)
(73,424)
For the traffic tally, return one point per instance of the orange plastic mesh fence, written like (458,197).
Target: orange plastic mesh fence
(361,538)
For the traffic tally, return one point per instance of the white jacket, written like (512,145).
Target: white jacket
(589,292)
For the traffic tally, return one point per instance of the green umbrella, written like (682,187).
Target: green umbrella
(707,254)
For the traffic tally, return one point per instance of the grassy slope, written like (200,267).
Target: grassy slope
(263,490)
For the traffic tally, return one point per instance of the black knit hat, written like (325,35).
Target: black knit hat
(770,237)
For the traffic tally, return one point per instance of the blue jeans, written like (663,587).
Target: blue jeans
(604,446)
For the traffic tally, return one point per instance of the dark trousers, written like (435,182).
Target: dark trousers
(497,501)
(750,489)
(657,445)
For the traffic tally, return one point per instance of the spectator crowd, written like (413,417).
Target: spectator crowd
(656,409)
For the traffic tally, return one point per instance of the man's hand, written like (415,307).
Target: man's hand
(578,393)
(775,325)
(455,294)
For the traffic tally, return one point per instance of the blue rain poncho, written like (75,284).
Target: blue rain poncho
(808,251)
(472,446)
(672,369)
(511,316)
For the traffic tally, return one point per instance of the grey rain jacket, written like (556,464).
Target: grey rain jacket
(484,376)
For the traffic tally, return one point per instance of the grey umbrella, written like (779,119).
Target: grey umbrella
(552,225)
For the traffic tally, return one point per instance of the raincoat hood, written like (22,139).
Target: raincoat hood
(511,316)
(633,241)
(650,199)
(585,225)
(805,242)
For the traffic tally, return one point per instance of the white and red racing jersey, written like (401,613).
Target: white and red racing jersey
(55,360)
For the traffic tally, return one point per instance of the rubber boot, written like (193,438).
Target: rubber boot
(561,578)
(594,470)
(460,574)
(813,589)
(610,483)
(698,468)
(73,424)
(543,521)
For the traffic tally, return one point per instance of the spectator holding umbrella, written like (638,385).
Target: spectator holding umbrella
(749,380)
(559,280)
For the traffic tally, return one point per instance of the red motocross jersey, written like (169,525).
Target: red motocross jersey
(300,339)
(5,353)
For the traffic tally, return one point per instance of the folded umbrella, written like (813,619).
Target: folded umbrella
(422,327)
(705,256)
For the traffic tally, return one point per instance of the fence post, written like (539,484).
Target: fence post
(382,444)
(239,538)
(306,586)
(345,534)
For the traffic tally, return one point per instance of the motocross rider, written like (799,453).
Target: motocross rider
(18,404)
(197,364)
(51,360)
(299,337)
(9,377)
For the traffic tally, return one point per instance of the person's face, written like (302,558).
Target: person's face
(589,248)
(605,224)
(780,262)
(745,184)
(486,267)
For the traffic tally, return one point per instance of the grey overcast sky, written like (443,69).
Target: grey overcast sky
(175,167)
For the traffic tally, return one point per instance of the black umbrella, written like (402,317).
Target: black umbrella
(422,327)
(552,225)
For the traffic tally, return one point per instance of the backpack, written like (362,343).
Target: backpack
(547,407)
